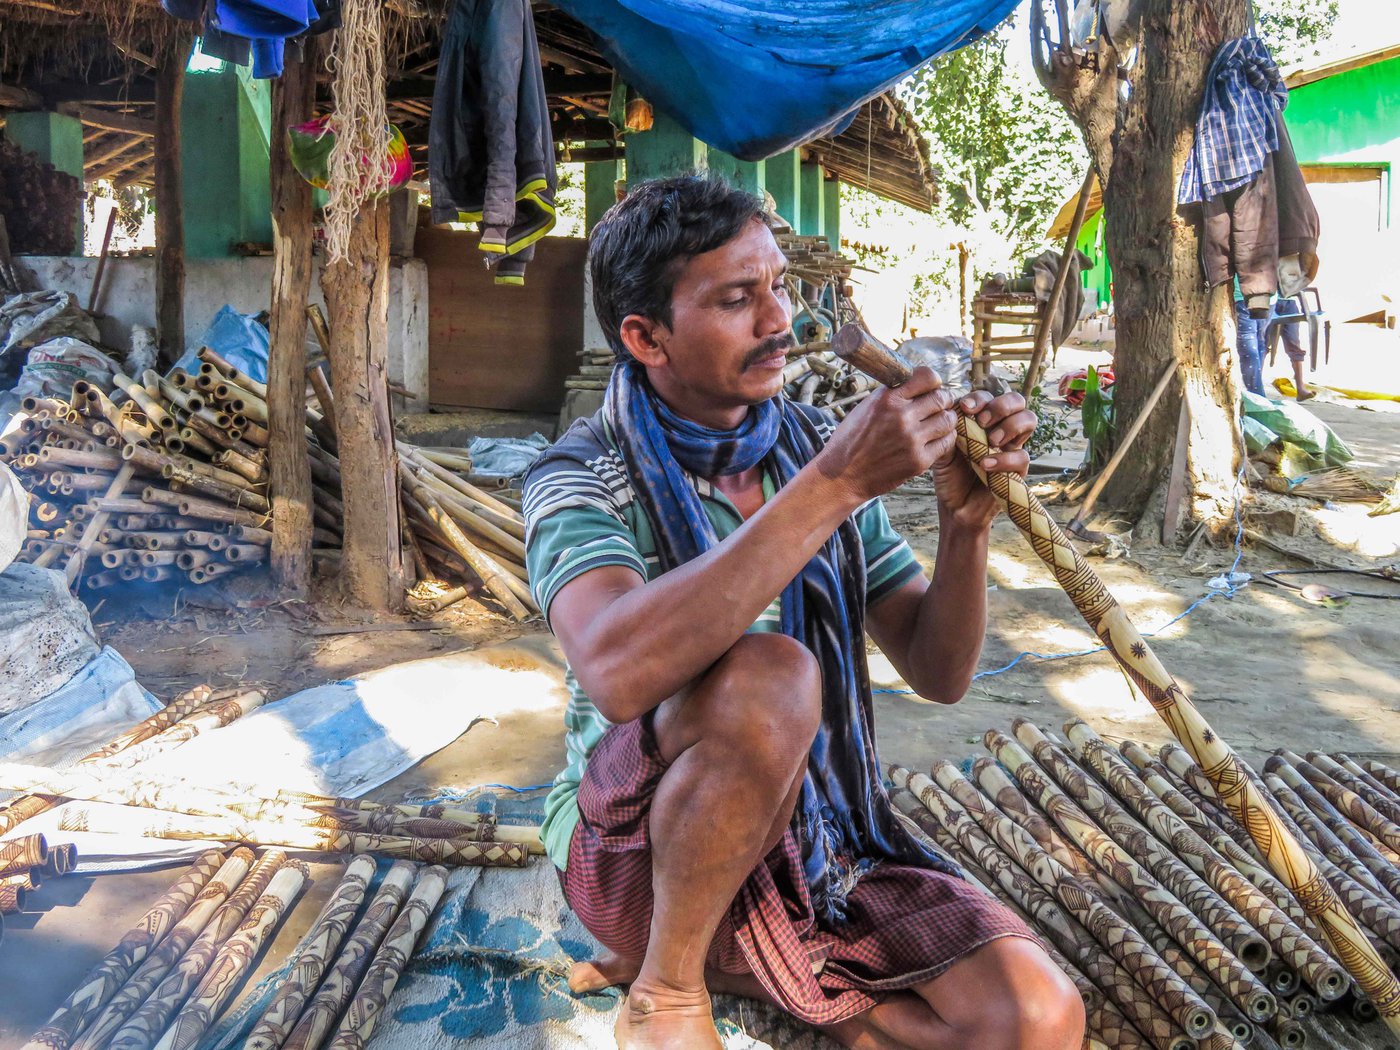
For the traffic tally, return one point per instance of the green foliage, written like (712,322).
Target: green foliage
(1008,155)
(1293,29)
(1052,422)
(1095,416)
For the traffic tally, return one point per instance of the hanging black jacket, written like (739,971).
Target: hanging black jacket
(490,152)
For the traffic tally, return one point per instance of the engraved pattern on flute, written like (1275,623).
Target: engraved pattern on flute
(103,980)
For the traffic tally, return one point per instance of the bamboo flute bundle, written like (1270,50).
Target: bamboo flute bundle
(384,971)
(1286,856)
(1383,774)
(11,899)
(1145,1013)
(147,1024)
(1266,917)
(1360,847)
(1279,776)
(103,980)
(1378,800)
(1356,770)
(235,959)
(343,976)
(1215,959)
(152,970)
(1291,941)
(1008,797)
(1121,940)
(212,716)
(317,950)
(1231,927)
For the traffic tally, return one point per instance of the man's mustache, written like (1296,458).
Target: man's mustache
(774,344)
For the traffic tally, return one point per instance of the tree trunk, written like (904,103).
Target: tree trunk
(293,99)
(356,287)
(170,220)
(1162,307)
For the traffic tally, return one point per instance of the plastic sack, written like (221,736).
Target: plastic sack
(46,635)
(54,367)
(506,457)
(36,317)
(14,516)
(238,338)
(948,355)
(1295,425)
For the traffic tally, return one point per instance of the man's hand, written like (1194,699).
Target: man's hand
(892,436)
(962,497)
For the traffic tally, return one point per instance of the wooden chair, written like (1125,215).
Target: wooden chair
(1016,315)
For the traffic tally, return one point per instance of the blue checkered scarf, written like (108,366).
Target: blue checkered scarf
(843,818)
(1237,129)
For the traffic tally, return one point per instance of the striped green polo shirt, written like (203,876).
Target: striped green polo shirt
(582,513)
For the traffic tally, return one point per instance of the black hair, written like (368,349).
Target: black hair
(638,248)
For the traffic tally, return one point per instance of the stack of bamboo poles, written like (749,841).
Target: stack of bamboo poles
(173,484)
(1154,901)
(137,803)
(823,379)
(25,864)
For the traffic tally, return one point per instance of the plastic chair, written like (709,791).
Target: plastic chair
(1317,321)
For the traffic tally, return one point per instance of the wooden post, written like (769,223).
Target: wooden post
(170,222)
(356,287)
(293,100)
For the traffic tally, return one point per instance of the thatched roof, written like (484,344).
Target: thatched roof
(92,58)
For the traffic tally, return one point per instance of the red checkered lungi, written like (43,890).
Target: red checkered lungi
(905,925)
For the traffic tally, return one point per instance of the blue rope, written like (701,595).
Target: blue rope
(1232,586)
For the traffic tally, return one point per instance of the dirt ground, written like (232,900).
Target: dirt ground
(1266,668)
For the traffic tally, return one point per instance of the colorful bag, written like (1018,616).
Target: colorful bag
(312,142)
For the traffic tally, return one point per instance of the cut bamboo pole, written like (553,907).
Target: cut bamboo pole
(154,411)
(21,854)
(389,961)
(212,716)
(1285,854)
(235,959)
(1216,960)
(147,1024)
(317,952)
(167,953)
(102,981)
(343,976)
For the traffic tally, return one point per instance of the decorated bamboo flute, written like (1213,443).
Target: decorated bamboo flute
(1285,855)
(316,953)
(103,980)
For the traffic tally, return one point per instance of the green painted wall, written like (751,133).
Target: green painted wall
(831,211)
(747,175)
(57,140)
(1350,118)
(781,176)
(599,189)
(811,205)
(225,123)
(666,149)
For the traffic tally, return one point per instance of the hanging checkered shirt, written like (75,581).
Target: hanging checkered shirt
(1238,125)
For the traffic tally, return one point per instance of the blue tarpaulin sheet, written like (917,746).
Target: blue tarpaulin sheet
(757,77)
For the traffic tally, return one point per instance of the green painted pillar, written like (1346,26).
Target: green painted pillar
(666,149)
(56,139)
(744,174)
(831,211)
(780,178)
(599,189)
(810,209)
(225,123)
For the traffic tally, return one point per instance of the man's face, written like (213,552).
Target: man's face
(731,328)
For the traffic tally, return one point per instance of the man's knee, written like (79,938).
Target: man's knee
(1047,1014)
(763,696)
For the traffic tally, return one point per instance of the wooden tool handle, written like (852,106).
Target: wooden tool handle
(858,348)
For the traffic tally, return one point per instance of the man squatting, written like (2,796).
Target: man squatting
(710,557)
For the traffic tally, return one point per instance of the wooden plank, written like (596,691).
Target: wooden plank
(170,221)
(499,347)
(1176,481)
(293,102)
(113,121)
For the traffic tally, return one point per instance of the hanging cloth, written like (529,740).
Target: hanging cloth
(490,151)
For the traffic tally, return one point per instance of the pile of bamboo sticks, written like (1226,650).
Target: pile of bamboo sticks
(823,379)
(25,864)
(173,484)
(1154,901)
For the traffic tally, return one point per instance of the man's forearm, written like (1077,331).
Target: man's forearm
(952,620)
(648,642)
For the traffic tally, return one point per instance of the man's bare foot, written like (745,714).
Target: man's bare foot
(604,972)
(1304,394)
(666,1019)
